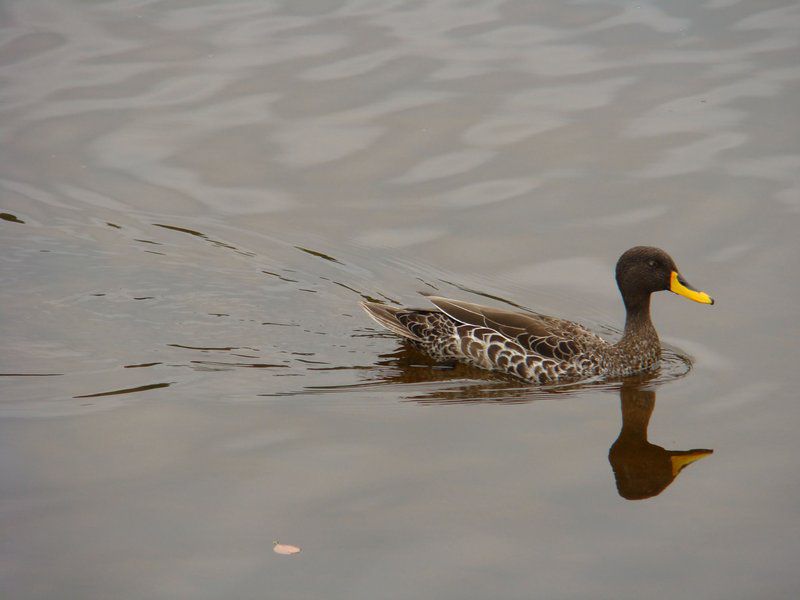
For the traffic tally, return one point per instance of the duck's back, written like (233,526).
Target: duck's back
(528,345)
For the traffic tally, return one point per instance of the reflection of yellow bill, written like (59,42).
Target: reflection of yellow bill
(682,460)
(682,288)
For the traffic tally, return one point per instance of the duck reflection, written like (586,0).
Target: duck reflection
(641,469)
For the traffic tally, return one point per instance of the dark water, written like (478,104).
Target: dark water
(194,198)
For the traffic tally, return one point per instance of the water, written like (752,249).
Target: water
(195,197)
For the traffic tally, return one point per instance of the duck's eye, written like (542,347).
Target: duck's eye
(651,263)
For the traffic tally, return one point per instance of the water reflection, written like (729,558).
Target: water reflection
(641,469)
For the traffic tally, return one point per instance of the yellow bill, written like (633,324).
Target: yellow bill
(679,286)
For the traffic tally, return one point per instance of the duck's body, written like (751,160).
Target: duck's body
(537,347)
(527,345)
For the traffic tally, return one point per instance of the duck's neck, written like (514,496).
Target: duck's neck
(638,326)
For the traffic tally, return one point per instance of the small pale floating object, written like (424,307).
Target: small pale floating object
(286,549)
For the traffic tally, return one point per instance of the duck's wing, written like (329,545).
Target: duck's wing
(540,334)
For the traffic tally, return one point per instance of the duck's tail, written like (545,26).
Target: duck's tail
(387,317)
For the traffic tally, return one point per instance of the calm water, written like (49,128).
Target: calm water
(195,197)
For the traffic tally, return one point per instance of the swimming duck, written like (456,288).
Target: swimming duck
(540,348)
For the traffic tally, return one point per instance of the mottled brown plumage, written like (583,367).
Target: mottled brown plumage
(540,348)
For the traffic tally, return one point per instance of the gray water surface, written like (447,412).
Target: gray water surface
(196,195)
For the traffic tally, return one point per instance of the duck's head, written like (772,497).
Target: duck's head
(643,270)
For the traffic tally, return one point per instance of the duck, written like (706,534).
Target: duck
(540,348)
